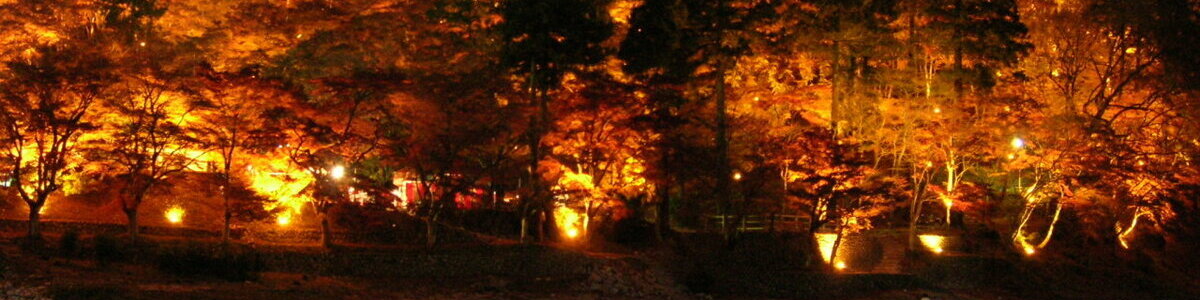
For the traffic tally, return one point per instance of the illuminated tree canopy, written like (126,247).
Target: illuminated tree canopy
(1039,121)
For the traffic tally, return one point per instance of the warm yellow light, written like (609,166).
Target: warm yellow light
(937,110)
(825,244)
(568,220)
(174,215)
(1054,73)
(840,265)
(1131,50)
(283,220)
(932,242)
(756,99)
(1017,143)
(928,164)
(1011,156)
(1029,250)
(275,177)
(737,175)
(337,172)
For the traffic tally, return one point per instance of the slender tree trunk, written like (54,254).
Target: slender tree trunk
(430,232)
(524,226)
(835,107)
(545,199)
(958,70)
(326,231)
(837,243)
(723,170)
(227,213)
(227,182)
(544,220)
(914,213)
(35,216)
(132,215)
(535,153)
(664,211)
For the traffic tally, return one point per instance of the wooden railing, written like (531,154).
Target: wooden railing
(775,222)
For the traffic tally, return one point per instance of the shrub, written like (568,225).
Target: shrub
(68,243)
(225,262)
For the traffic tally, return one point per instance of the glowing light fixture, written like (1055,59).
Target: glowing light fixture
(1029,250)
(932,242)
(337,172)
(737,175)
(569,220)
(1018,143)
(174,215)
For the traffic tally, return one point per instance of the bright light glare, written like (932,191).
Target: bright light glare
(1029,250)
(283,220)
(174,215)
(840,265)
(1018,143)
(932,242)
(737,176)
(825,244)
(337,172)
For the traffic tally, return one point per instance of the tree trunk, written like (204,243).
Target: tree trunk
(226,183)
(131,214)
(35,216)
(430,232)
(543,222)
(664,211)
(958,70)
(228,214)
(326,231)
(837,242)
(524,227)
(914,213)
(545,199)
(723,176)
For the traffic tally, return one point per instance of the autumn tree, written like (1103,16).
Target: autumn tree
(597,150)
(47,101)
(233,110)
(700,40)
(988,34)
(542,40)
(149,141)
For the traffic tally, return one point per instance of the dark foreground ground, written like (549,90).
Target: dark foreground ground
(163,267)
